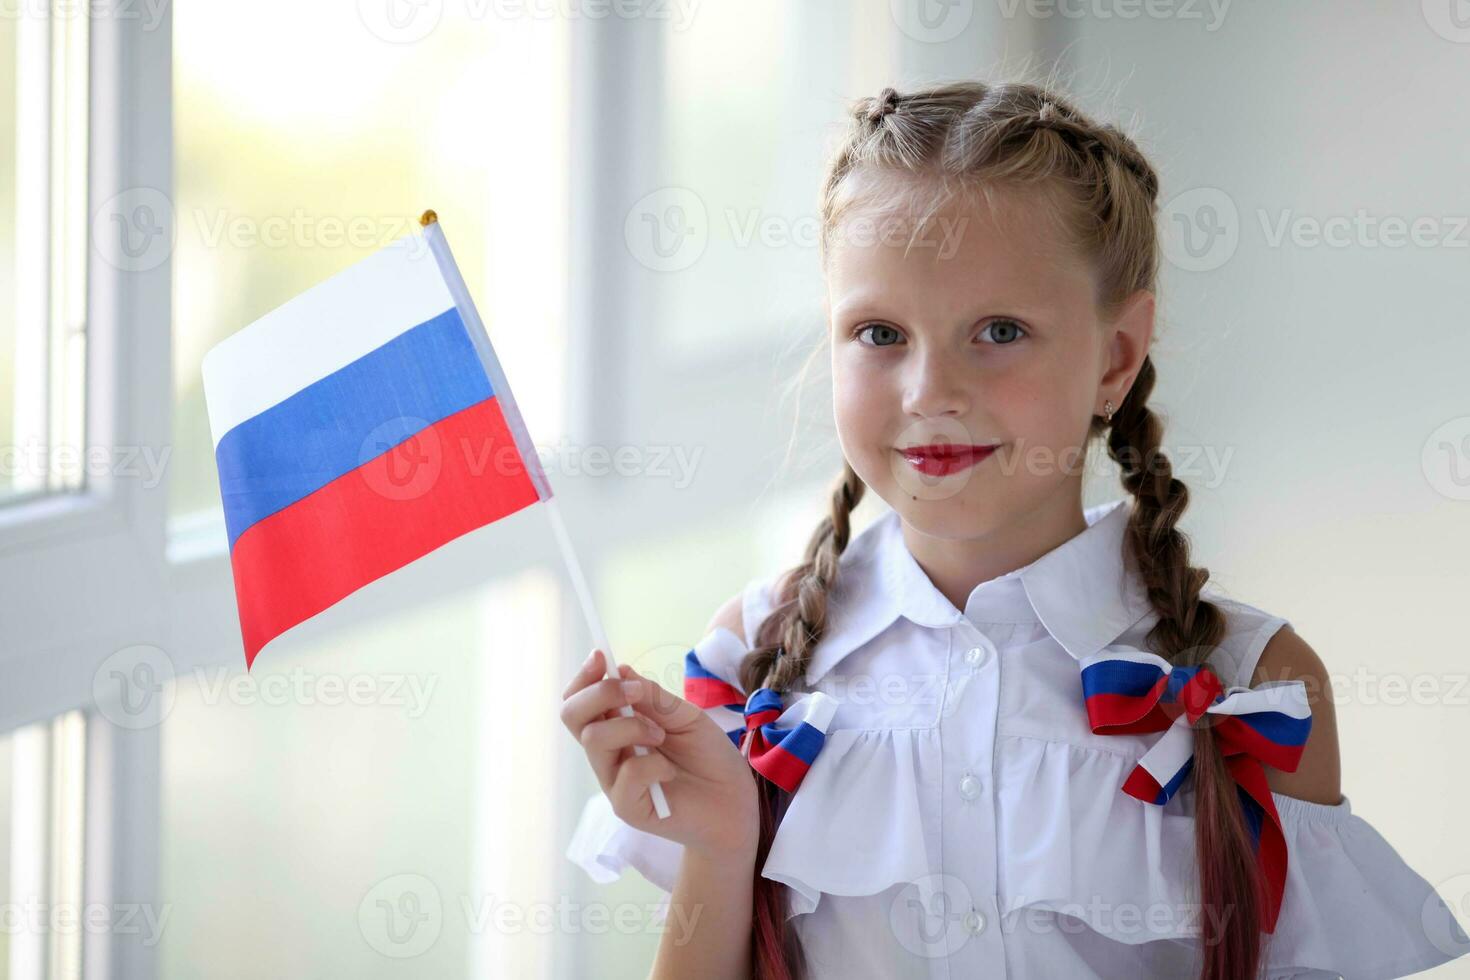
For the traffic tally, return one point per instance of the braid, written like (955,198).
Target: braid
(1189,627)
(786,638)
(784,643)
(1104,143)
(1188,630)
(873,111)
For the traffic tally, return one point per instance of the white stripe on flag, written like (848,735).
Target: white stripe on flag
(322,330)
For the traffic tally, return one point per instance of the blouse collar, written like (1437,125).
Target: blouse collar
(1078,591)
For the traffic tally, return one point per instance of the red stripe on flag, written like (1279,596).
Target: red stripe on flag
(460,473)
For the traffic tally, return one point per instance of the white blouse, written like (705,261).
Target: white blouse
(962,819)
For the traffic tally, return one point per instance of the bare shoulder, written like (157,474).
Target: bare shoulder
(1318,777)
(731,616)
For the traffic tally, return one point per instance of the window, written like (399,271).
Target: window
(43,251)
(286,177)
(367,802)
(728,227)
(41,814)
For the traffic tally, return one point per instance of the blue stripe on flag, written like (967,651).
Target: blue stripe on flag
(347,418)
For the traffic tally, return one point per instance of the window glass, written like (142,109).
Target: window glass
(363,804)
(285,177)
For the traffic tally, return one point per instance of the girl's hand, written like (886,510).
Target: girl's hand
(710,786)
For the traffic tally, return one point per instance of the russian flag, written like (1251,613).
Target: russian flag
(358,427)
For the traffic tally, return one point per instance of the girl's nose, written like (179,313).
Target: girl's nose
(936,388)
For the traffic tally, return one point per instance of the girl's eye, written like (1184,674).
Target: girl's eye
(880,330)
(1009,329)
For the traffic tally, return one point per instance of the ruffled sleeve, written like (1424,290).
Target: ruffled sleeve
(1352,906)
(604,846)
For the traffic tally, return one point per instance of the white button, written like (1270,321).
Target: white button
(974,655)
(969,786)
(974,921)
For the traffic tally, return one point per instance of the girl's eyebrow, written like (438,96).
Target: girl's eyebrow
(872,306)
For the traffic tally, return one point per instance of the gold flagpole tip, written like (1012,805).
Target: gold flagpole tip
(428,218)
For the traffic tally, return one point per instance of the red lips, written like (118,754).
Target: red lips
(941,460)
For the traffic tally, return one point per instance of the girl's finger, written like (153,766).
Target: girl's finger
(590,670)
(650,698)
(597,700)
(629,794)
(605,743)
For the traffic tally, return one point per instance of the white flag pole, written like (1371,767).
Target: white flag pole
(481,339)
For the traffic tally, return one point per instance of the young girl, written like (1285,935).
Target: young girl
(995,734)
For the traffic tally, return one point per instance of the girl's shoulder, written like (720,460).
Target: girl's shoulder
(1248,629)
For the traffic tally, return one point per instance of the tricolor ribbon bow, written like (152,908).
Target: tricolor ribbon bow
(1128,691)
(780,742)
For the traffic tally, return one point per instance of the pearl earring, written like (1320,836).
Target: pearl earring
(1108,412)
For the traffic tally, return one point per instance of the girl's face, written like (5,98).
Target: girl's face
(987,334)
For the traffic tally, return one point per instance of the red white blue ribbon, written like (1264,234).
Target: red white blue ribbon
(781,742)
(1128,691)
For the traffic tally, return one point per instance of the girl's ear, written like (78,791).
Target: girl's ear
(1129,336)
